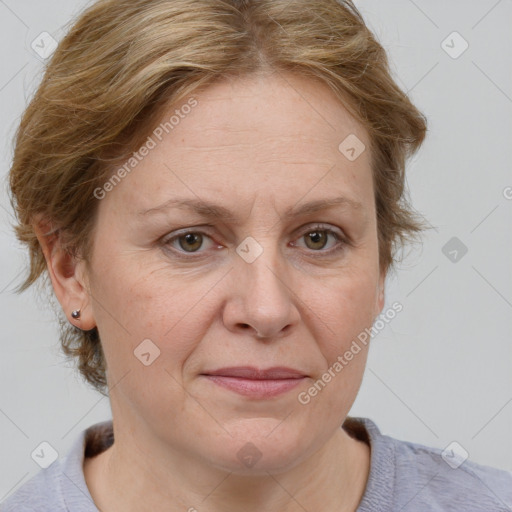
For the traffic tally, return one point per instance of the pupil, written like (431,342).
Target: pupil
(318,237)
(191,239)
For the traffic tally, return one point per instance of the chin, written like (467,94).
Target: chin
(259,446)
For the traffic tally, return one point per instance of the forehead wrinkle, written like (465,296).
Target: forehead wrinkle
(268,142)
(217,211)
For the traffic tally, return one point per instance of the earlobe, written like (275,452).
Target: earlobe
(379,305)
(67,276)
(380,295)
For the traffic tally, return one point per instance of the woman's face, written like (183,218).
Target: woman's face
(214,255)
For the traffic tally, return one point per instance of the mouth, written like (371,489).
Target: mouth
(254,382)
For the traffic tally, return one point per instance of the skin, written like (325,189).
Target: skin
(257,146)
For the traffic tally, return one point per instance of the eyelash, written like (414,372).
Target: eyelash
(342,242)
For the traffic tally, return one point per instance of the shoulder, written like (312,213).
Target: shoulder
(61,486)
(40,493)
(417,477)
(448,480)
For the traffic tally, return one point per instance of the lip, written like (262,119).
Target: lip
(250,372)
(254,382)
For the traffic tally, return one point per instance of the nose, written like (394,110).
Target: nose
(261,300)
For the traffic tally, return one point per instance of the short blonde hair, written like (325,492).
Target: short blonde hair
(123,61)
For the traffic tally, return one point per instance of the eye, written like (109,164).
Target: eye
(320,239)
(317,239)
(188,241)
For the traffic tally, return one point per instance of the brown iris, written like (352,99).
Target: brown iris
(318,239)
(193,241)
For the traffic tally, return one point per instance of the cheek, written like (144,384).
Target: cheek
(160,308)
(343,308)
(152,303)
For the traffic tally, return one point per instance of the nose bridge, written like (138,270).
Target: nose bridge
(265,274)
(260,283)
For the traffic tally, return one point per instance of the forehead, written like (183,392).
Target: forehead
(270,114)
(257,138)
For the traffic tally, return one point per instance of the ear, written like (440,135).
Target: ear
(380,295)
(68,276)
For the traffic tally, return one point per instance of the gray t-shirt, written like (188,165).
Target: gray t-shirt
(404,477)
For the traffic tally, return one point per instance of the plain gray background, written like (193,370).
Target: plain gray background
(441,370)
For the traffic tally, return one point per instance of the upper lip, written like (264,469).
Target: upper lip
(250,372)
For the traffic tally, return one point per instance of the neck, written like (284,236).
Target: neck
(135,474)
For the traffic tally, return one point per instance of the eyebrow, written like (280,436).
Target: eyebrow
(215,211)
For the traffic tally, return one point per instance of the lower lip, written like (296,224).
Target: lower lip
(256,388)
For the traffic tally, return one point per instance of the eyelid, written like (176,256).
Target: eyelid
(320,227)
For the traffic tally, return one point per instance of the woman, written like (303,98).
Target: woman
(215,190)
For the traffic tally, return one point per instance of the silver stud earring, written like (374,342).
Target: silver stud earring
(75,314)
